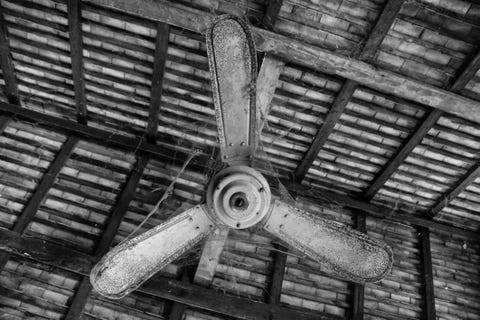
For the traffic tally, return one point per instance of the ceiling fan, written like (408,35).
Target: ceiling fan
(239,196)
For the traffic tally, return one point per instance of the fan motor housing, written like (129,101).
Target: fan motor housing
(239,197)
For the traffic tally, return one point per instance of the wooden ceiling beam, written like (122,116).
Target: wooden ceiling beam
(457,188)
(160,58)
(161,149)
(41,191)
(384,23)
(359,289)
(310,56)
(74,9)
(338,106)
(375,39)
(466,74)
(420,132)
(8,70)
(280,261)
(428,287)
(180,154)
(80,298)
(192,295)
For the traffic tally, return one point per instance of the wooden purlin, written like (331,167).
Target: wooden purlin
(345,94)
(308,55)
(76,55)
(126,196)
(416,138)
(8,70)
(280,261)
(359,289)
(41,191)
(428,287)
(160,58)
(195,296)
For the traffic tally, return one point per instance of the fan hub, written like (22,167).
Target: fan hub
(239,197)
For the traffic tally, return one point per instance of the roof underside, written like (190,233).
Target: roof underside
(101,109)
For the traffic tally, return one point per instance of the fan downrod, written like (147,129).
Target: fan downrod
(238,197)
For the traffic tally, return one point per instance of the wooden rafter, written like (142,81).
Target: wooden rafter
(393,164)
(161,46)
(165,288)
(457,188)
(359,289)
(338,106)
(420,132)
(128,192)
(309,55)
(466,74)
(179,154)
(428,288)
(384,22)
(43,187)
(272,13)
(8,70)
(279,260)
(76,55)
(374,41)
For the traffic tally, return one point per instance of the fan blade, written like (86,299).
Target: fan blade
(233,68)
(128,265)
(344,252)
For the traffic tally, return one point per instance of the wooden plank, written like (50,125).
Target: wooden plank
(178,309)
(212,250)
(321,137)
(359,289)
(280,260)
(128,192)
(267,82)
(308,55)
(74,9)
(79,300)
(384,22)
(48,253)
(45,184)
(271,14)
(393,164)
(174,290)
(161,46)
(8,70)
(456,189)
(426,256)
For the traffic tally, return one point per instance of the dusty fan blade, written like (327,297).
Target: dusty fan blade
(344,252)
(128,265)
(233,69)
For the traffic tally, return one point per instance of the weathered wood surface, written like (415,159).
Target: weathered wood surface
(310,56)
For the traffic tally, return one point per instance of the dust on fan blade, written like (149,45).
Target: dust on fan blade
(128,265)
